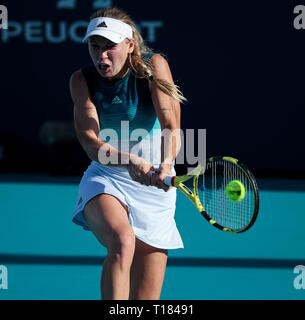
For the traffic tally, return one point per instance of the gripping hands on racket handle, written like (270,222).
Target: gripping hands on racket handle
(168,180)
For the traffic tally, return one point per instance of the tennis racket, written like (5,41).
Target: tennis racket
(226,194)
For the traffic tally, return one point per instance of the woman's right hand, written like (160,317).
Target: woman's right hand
(139,170)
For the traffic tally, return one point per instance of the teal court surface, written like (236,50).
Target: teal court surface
(47,257)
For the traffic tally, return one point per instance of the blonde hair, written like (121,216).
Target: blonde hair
(138,62)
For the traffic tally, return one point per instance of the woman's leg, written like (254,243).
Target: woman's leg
(107,218)
(147,272)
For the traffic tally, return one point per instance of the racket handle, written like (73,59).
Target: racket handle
(168,180)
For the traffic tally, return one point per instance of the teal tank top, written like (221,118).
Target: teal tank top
(127,117)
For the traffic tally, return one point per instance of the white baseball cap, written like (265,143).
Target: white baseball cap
(112,29)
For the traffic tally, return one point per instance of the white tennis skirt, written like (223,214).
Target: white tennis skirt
(151,210)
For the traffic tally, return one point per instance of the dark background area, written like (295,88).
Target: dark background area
(240,64)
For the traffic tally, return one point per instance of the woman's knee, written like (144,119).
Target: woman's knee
(121,246)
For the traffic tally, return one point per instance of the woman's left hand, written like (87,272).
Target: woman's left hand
(157,178)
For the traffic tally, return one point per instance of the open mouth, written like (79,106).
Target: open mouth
(103,67)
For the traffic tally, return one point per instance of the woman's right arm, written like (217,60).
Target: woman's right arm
(87,126)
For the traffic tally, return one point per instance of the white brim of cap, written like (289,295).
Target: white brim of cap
(112,36)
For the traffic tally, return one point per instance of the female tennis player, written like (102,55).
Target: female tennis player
(127,92)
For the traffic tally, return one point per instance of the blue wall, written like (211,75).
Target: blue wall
(240,64)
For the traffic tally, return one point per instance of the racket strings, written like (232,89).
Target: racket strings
(227,213)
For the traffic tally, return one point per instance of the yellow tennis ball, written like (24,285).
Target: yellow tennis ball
(235,191)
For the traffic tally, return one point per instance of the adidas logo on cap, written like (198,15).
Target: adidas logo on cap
(102,25)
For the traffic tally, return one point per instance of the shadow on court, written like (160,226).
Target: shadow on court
(176,262)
